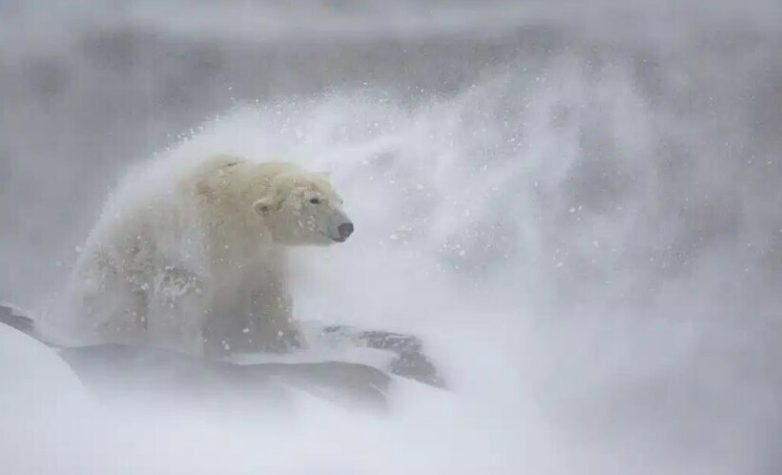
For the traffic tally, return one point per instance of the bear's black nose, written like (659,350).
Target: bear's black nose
(345,230)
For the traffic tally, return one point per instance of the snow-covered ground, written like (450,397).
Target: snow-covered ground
(576,208)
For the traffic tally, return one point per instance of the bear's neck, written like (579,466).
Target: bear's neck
(236,233)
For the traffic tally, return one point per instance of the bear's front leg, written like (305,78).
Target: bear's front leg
(251,319)
(270,325)
(255,316)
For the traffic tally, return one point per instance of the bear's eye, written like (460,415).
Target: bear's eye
(315,201)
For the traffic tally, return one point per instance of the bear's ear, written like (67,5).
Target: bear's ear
(263,206)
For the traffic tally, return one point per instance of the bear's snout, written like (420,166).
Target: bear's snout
(345,230)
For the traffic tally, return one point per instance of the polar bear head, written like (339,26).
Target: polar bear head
(302,208)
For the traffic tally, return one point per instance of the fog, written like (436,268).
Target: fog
(577,207)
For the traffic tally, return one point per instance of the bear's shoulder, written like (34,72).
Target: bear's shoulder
(217,165)
(225,166)
(212,175)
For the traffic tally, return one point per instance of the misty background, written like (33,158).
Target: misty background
(577,205)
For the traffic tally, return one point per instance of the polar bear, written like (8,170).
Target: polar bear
(196,260)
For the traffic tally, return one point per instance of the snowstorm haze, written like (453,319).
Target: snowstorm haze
(577,206)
